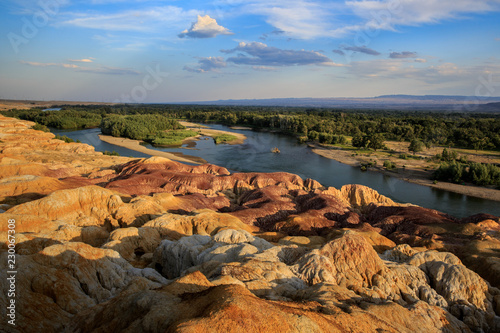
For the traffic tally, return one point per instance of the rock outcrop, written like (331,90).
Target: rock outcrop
(151,245)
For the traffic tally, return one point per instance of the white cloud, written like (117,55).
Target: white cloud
(430,74)
(300,19)
(95,70)
(387,14)
(210,64)
(143,20)
(81,60)
(264,68)
(205,27)
(48,64)
(259,54)
(307,19)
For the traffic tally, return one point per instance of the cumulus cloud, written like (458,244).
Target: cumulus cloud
(96,70)
(339,52)
(210,64)
(403,55)
(205,27)
(259,54)
(361,49)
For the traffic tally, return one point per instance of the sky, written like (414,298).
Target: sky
(167,51)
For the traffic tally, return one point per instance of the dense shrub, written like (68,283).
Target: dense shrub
(476,173)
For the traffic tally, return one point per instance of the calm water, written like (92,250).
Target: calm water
(255,155)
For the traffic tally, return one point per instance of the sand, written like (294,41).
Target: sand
(136,145)
(241,128)
(414,171)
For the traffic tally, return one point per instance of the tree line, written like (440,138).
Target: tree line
(367,127)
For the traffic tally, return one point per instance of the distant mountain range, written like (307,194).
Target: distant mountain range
(425,102)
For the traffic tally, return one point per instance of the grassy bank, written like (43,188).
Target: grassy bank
(172,138)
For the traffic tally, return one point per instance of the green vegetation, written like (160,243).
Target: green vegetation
(64,138)
(371,141)
(447,155)
(223,138)
(40,127)
(475,173)
(331,126)
(111,153)
(367,165)
(457,169)
(389,165)
(138,127)
(367,128)
(416,146)
(323,137)
(64,119)
(171,138)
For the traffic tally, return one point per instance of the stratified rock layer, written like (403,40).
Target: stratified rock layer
(151,245)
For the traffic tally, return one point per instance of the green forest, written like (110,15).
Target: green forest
(457,130)
(365,129)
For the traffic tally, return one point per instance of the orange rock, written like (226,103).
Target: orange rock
(71,205)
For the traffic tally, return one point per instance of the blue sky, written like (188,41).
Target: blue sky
(176,51)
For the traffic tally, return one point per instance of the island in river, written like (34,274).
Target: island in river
(180,157)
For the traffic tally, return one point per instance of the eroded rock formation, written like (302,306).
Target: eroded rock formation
(151,245)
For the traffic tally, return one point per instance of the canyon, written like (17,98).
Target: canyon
(111,243)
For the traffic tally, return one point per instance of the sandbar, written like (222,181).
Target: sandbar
(412,173)
(203,130)
(136,145)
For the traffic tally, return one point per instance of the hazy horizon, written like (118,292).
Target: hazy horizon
(158,51)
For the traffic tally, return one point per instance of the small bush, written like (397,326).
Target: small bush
(111,153)
(64,138)
(389,165)
(40,127)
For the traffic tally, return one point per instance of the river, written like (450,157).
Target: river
(255,156)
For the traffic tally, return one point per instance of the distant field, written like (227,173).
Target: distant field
(7,104)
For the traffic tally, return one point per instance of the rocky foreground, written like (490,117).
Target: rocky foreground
(110,244)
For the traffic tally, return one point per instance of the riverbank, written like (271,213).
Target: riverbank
(136,145)
(413,172)
(203,130)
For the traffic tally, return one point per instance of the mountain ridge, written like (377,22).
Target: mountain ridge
(436,102)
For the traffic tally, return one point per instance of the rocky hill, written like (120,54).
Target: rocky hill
(111,244)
